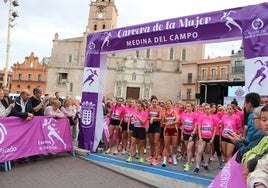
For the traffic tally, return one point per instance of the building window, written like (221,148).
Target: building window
(70,58)
(29,77)
(188,93)
(113,54)
(31,64)
(137,53)
(134,76)
(204,74)
(148,53)
(103,26)
(39,77)
(18,86)
(20,76)
(62,78)
(28,87)
(189,78)
(183,56)
(238,67)
(95,27)
(213,74)
(1,78)
(71,87)
(223,74)
(171,53)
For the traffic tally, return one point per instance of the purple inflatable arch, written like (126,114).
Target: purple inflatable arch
(247,23)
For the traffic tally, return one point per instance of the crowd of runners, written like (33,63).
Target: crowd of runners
(197,133)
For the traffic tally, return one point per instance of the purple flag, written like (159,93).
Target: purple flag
(230,176)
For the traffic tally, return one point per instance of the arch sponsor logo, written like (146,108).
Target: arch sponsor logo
(258,29)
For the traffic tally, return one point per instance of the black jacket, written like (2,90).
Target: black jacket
(17,110)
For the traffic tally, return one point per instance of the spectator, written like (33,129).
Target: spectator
(57,97)
(251,158)
(6,101)
(258,178)
(23,106)
(37,103)
(264,100)
(69,111)
(242,145)
(54,110)
(3,110)
(252,100)
(23,109)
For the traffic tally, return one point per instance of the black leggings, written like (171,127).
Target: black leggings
(217,145)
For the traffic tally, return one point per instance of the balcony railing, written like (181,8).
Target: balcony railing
(238,70)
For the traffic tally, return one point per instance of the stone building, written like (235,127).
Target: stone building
(9,78)
(29,75)
(137,74)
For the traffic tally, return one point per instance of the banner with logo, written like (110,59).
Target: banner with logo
(255,37)
(247,23)
(20,138)
(230,176)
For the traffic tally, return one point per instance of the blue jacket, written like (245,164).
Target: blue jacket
(244,146)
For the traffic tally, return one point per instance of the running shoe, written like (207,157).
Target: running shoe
(141,160)
(206,168)
(115,152)
(169,160)
(129,159)
(221,165)
(137,155)
(196,170)
(164,164)
(155,162)
(124,152)
(150,158)
(108,151)
(186,168)
(174,160)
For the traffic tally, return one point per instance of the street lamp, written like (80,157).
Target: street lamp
(11,17)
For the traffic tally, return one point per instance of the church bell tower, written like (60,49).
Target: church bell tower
(102,15)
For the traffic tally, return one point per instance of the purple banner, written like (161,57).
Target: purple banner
(20,138)
(230,176)
(249,23)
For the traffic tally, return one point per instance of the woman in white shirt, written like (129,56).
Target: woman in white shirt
(4,112)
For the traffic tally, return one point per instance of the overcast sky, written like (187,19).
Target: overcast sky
(39,20)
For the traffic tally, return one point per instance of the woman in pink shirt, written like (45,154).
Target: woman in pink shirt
(69,111)
(116,114)
(230,123)
(154,131)
(207,126)
(54,110)
(189,130)
(216,147)
(138,134)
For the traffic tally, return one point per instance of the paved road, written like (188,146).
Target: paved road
(64,171)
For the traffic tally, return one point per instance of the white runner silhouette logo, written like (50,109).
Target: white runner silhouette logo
(3,133)
(230,21)
(53,132)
